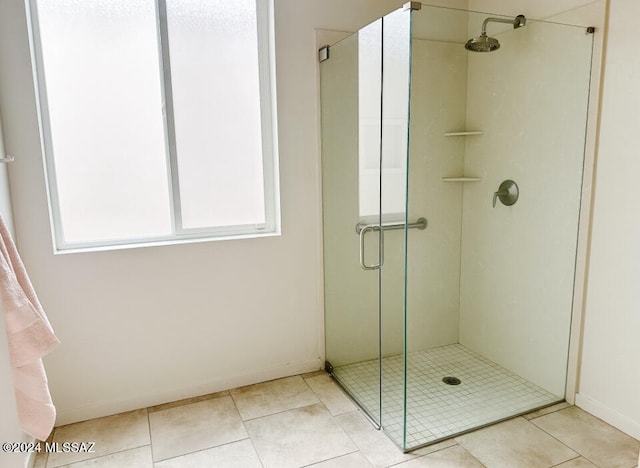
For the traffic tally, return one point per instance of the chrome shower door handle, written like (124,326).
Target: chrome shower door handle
(363,232)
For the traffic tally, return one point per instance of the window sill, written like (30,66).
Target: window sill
(119,245)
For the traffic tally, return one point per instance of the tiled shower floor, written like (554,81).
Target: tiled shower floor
(435,410)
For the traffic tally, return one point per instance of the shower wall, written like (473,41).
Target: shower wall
(517,269)
(438,106)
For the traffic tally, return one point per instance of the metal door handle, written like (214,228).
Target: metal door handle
(363,232)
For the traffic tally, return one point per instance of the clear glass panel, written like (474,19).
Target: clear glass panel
(532,107)
(489,290)
(369,64)
(351,293)
(100,61)
(438,105)
(393,194)
(214,48)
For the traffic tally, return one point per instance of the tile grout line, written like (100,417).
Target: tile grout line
(318,402)
(203,450)
(218,395)
(342,392)
(150,436)
(246,430)
(177,404)
(417,457)
(571,459)
(580,454)
(100,456)
(333,418)
(281,411)
(355,444)
(334,458)
(545,414)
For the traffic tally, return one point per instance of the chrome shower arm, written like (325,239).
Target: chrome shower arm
(517,22)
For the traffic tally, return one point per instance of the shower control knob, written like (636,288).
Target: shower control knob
(508,193)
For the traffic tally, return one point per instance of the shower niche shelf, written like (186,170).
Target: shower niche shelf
(461,179)
(470,133)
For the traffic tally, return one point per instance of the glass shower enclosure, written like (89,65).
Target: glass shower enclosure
(451,200)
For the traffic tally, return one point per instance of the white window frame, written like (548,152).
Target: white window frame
(269,131)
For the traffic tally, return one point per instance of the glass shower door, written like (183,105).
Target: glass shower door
(365,128)
(351,131)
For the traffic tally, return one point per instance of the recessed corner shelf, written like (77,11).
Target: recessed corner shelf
(461,179)
(448,134)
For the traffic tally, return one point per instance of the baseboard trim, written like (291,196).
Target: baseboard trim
(166,395)
(608,415)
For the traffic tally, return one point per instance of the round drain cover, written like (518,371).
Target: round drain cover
(451,380)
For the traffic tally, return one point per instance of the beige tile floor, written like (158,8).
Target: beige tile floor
(306,420)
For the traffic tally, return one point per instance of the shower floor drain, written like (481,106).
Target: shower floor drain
(452,380)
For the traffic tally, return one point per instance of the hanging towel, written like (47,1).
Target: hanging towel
(30,337)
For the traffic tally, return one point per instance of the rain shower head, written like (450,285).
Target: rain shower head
(484,43)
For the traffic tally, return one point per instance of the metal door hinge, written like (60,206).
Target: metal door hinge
(328,367)
(323,53)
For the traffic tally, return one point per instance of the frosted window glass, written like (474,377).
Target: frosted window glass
(102,74)
(213,47)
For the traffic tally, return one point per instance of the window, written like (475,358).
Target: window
(158,119)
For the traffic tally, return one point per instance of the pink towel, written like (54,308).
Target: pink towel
(30,337)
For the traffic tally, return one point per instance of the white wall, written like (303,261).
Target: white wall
(147,325)
(609,374)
